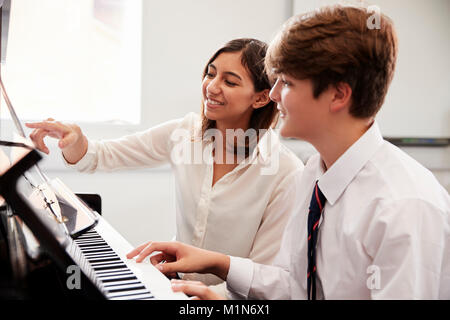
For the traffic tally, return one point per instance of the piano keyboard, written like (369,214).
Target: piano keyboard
(101,254)
(118,281)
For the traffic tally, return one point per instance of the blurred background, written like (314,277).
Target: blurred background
(119,66)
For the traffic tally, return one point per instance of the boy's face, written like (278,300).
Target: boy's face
(303,115)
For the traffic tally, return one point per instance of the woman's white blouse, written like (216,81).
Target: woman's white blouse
(243,214)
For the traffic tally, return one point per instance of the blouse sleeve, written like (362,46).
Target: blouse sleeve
(149,148)
(270,233)
(265,275)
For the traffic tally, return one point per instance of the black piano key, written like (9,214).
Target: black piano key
(102,255)
(93,237)
(117,272)
(115,275)
(88,246)
(91,249)
(120,278)
(109,267)
(106,259)
(90,231)
(113,284)
(99,250)
(126,289)
(91,243)
(107,263)
(89,236)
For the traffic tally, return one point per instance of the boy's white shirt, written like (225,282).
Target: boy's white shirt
(384,232)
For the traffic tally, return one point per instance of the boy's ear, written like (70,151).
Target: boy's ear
(262,98)
(341,98)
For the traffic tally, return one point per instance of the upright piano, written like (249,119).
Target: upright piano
(46,259)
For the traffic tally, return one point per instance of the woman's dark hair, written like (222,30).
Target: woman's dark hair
(253,53)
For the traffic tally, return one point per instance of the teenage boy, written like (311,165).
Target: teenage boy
(377,223)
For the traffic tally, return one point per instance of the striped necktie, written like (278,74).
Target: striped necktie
(315,209)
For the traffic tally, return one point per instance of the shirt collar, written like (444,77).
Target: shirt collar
(335,180)
(265,145)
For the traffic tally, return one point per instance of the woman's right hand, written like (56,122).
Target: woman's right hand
(72,142)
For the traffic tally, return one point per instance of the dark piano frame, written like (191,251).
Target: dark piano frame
(49,244)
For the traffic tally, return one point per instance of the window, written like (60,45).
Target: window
(77,60)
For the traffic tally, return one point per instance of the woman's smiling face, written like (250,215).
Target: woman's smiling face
(228,91)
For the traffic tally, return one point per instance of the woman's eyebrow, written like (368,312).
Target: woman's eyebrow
(233,74)
(226,72)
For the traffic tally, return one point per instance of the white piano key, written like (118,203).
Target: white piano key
(96,255)
(123,282)
(105,279)
(120,270)
(125,286)
(103,259)
(99,248)
(144,296)
(133,292)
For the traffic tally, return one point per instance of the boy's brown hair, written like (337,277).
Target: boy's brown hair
(334,44)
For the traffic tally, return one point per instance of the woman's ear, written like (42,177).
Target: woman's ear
(341,98)
(262,98)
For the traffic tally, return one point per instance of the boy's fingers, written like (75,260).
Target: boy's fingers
(136,251)
(157,258)
(170,267)
(196,289)
(165,247)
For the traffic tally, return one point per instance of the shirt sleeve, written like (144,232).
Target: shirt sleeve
(149,148)
(239,278)
(249,280)
(407,242)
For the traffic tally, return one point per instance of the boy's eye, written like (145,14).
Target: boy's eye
(285,83)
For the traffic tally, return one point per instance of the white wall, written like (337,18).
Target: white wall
(179,38)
